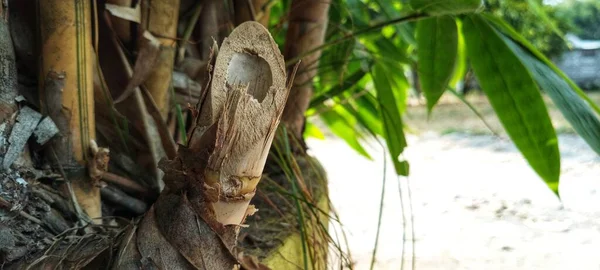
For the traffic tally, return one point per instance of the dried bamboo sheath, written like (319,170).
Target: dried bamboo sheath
(195,222)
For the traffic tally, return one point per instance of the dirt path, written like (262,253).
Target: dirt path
(476,204)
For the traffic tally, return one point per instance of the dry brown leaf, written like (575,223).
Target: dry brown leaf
(126,13)
(144,64)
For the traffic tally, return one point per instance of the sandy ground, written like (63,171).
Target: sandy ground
(476,205)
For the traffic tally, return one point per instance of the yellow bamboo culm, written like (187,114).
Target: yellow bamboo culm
(66,91)
(160,18)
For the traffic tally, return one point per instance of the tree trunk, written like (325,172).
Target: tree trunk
(306,31)
(8,86)
(8,75)
(255,10)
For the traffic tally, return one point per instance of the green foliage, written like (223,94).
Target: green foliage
(537,23)
(442,7)
(576,110)
(514,96)
(582,16)
(390,113)
(361,88)
(342,124)
(437,40)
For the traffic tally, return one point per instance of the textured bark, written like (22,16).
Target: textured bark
(66,86)
(8,86)
(8,70)
(306,31)
(195,222)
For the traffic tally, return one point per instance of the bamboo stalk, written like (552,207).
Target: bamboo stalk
(160,18)
(66,85)
(251,10)
(306,30)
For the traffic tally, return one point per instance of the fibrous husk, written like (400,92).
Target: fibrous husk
(195,222)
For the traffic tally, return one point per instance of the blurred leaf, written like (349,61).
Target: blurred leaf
(575,110)
(333,62)
(514,96)
(336,90)
(310,130)
(437,39)
(404,30)
(394,53)
(360,13)
(342,124)
(536,7)
(441,7)
(367,114)
(397,81)
(461,58)
(508,30)
(392,119)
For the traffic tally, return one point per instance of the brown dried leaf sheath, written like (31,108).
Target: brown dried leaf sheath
(194,223)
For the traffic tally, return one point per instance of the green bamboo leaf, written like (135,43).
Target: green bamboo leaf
(509,31)
(515,98)
(310,130)
(443,7)
(404,30)
(367,114)
(575,109)
(398,83)
(338,89)
(461,58)
(391,115)
(341,123)
(437,40)
(537,9)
